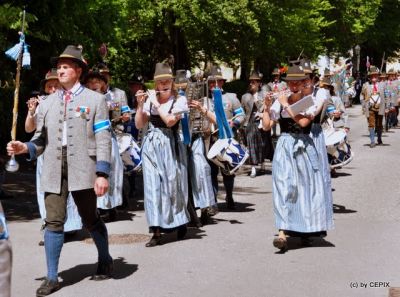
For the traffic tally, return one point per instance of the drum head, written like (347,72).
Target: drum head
(217,148)
(335,138)
(124,142)
(227,154)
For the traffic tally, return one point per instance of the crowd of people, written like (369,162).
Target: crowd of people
(91,143)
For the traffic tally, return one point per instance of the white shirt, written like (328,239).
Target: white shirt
(74,89)
(322,96)
(180,105)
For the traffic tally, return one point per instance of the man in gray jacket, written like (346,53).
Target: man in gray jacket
(73,133)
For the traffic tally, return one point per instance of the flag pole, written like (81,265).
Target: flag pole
(12,165)
(17,85)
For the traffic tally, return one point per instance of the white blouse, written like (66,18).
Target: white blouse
(179,106)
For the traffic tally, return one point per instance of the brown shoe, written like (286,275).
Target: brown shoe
(154,241)
(47,287)
(280,243)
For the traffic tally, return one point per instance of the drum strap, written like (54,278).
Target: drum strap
(223,126)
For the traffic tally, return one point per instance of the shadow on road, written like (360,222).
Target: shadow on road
(22,205)
(339,174)
(192,233)
(241,190)
(21,186)
(294,243)
(239,207)
(378,145)
(74,275)
(342,209)
(230,221)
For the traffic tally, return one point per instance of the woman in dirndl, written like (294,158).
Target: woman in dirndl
(164,158)
(108,203)
(298,186)
(259,142)
(48,86)
(321,101)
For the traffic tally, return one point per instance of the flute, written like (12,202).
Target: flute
(148,93)
(276,96)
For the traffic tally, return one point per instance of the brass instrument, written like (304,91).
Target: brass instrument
(259,103)
(198,123)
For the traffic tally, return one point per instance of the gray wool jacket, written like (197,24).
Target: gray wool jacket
(88,139)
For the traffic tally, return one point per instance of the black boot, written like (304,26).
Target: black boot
(182,230)
(228,183)
(230,204)
(104,271)
(100,237)
(194,219)
(205,218)
(379,133)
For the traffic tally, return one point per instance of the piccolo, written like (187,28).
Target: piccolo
(276,96)
(156,92)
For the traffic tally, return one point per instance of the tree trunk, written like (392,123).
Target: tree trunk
(244,66)
(179,46)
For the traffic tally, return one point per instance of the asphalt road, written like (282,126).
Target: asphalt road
(234,256)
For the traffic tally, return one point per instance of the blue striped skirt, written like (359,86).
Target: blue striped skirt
(165,180)
(318,138)
(113,197)
(200,176)
(298,186)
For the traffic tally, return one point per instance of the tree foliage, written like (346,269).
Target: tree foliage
(248,33)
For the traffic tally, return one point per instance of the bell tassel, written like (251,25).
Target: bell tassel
(13,53)
(26,58)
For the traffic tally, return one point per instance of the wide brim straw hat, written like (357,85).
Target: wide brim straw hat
(163,71)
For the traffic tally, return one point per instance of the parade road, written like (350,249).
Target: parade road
(234,255)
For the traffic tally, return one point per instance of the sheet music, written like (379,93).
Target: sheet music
(300,106)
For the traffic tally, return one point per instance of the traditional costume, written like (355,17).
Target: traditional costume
(258,141)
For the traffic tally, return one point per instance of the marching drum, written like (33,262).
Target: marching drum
(339,151)
(334,138)
(228,154)
(130,153)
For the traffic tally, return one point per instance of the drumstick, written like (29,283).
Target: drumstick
(234,117)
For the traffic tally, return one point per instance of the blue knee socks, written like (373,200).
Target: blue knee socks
(53,242)
(372,135)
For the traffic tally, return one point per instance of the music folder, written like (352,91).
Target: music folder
(300,106)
